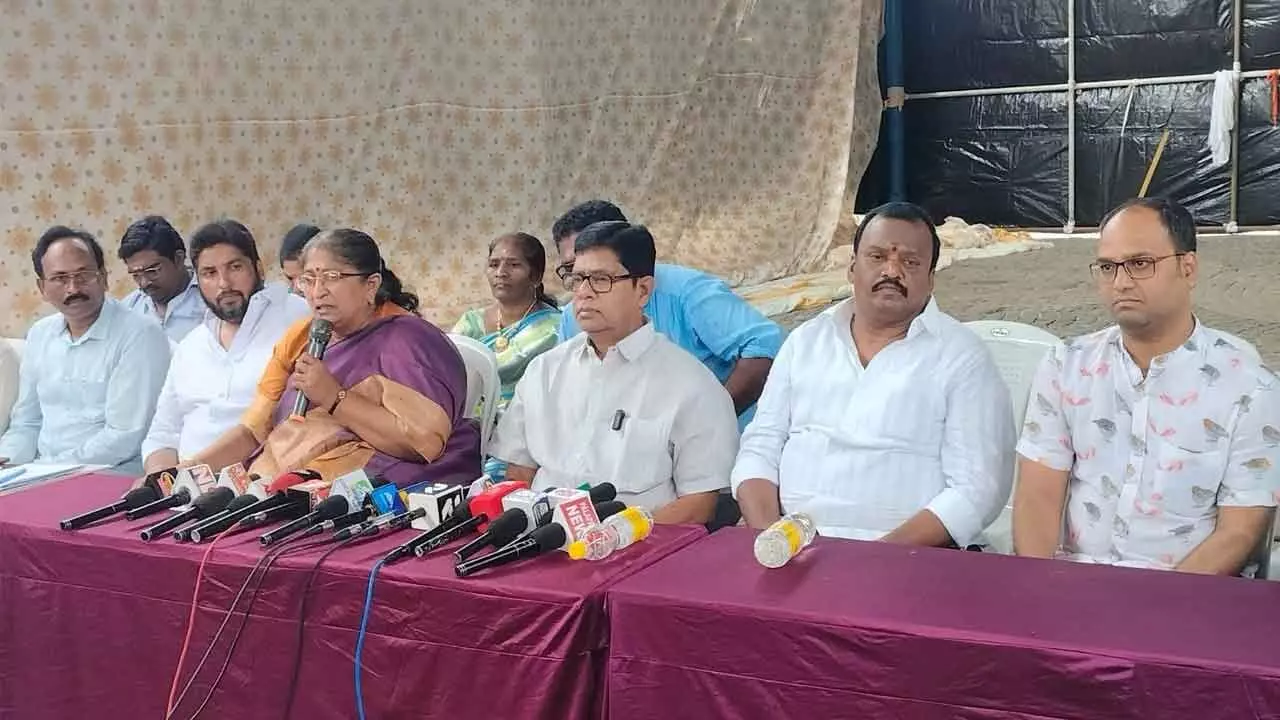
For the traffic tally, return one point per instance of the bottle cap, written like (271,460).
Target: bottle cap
(577,549)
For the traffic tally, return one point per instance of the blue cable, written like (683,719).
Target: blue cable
(364,626)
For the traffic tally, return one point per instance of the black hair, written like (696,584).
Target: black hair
(224,232)
(633,244)
(151,233)
(533,253)
(295,240)
(584,215)
(62,232)
(909,212)
(1175,218)
(358,250)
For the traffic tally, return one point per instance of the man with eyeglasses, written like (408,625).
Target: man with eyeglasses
(696,311)
(91,373)
(620,402)
(156,259)
(1157,436)
(215,370)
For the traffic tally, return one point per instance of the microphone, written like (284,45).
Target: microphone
(239,503)
(506,527)
(440,502)
(181,497)
(607,510)
(162,481)
(390,524)
(275,496)
(132,500)
(321,330)
(289,511)
(551,536)
(197,479)
(351,518)
(428,541)
(235,477)
(330,508)
(214,501)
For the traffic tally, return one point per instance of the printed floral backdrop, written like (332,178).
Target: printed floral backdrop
(736,129)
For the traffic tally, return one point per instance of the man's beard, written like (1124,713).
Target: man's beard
(235,314)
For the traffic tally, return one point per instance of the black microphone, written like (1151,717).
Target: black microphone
(330,508)
(181,497)
(288,511)
(351,518)
(602,493)
(504,528)
(543,540)
(321,330)
(392,523)
(209,528)
(239,503)
(132,500)
(422,544)
(214,501)
(609,509)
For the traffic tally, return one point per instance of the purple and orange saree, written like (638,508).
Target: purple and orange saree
(399,361)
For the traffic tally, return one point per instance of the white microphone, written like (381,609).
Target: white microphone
(438,501)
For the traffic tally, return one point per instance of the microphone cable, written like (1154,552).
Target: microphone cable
(191,623)
(264,564)
(364,627)
(300,635)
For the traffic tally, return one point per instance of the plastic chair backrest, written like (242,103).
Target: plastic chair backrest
(483,384)
(9,366)
(1017,349)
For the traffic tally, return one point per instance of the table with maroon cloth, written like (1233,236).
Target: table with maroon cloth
(871,630)
(92,623)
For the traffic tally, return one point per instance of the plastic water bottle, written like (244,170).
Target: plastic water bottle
(784,540)
(615,533)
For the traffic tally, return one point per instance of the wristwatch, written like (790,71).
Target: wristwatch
(342,395)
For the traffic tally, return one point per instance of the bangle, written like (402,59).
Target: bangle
(342,395)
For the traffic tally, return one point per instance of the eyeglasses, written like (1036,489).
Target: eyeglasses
(151,272)
(1139,268)
(308,280)
(80,279)
(600,284)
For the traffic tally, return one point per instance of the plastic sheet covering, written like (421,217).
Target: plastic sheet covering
(964,44)
(1110,168)
(1122,39)
(1261,35)
(999,160)
(1259,156)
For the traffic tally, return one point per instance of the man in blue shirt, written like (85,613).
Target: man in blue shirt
(156,258)
(90,374)
(696,311)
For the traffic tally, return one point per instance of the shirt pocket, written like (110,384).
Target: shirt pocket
(1187,481)
(645,460)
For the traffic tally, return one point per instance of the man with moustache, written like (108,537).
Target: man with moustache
(883,418)
(216,367)
(1157,437)
(91,373)
(156,258)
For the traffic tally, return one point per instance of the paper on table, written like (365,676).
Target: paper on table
(21,477)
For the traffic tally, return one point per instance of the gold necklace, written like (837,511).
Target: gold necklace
(502,343)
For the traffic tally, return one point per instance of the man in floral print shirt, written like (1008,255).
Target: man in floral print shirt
(1160,436)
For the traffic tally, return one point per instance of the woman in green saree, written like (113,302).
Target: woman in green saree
(522,321)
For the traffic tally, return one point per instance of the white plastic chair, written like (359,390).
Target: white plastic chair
(483,384)
(1017,349)
(10,361)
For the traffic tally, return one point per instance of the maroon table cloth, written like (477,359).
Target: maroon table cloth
(92,624)
(870,630)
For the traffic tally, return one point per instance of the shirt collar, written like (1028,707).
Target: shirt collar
(1193,347)
(632,346)
(259,302)
(928,319)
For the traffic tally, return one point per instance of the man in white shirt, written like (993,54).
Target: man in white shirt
(1157,435)
(156,258)
(620,402)
(90,374)
(883,418)
(216,367)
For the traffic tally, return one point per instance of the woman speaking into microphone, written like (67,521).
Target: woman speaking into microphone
(389,394)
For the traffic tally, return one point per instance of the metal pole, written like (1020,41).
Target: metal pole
(1087,85)
(1070,225)
(1233,224)
(895,99)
